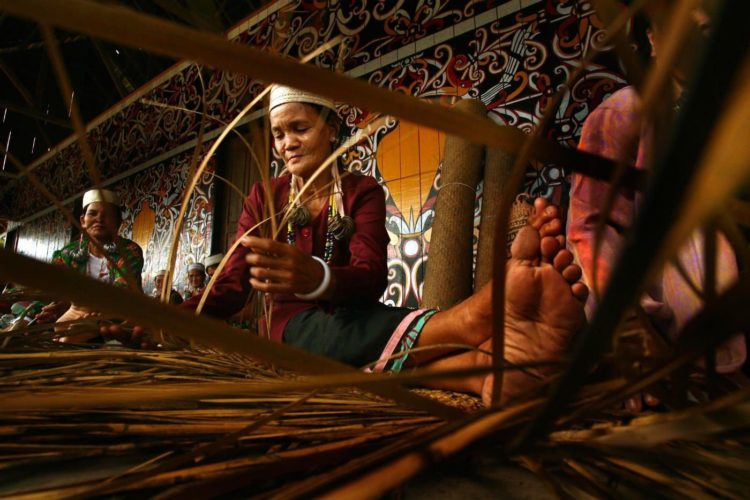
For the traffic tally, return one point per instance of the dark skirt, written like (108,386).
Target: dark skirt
(352,335)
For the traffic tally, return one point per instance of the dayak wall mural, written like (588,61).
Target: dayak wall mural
(152,201)
(512,56)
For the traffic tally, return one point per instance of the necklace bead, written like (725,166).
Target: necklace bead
(294,221)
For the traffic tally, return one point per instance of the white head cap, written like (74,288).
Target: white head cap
(283,95)
(104,195)
(213,260)
(196,266)
(161,272)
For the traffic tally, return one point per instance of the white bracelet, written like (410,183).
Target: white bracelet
(318,292)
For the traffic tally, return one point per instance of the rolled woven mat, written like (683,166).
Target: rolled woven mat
(448,277)
(497,168)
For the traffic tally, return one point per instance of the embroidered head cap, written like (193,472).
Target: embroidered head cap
(283,95)
(102,195)
(196,266)
(213,260)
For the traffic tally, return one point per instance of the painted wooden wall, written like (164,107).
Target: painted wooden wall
(511,55)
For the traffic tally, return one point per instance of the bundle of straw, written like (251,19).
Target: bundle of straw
(115,421)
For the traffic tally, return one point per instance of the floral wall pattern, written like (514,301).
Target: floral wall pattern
(511,55)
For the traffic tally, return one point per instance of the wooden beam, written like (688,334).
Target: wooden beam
(36,114)
(121,82)
(21,88)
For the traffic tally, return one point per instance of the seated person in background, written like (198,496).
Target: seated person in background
(211,263)
(670,302)
(174,296)
(114,259)
(328,271)
(196,278)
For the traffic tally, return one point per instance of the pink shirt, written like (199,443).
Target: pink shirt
(605,133)
(613,131)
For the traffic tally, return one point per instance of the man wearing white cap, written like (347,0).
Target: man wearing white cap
(174,296)
(114,260)
(196,277)
(212,262)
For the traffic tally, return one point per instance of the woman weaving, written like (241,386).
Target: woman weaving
(329,269)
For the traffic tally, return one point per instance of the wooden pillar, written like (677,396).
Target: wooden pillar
(448,277)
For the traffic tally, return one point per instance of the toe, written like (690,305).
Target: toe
(579,291)
(543,213)
(562,260)
(549,247)
(539,205)
(572,273)
(553,227)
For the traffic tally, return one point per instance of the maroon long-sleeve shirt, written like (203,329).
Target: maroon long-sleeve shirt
(359,265)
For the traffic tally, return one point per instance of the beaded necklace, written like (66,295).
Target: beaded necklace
(294,221)
(339,226)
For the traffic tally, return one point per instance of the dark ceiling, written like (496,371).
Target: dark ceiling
(33,115)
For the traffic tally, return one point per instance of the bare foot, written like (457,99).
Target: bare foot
(544,301)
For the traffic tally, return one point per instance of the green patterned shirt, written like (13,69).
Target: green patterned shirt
(125,257)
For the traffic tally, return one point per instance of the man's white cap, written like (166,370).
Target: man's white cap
(196,266)
(213,260)
(161,272)
(105,195)
(283,95)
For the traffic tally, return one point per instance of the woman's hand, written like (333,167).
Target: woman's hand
(51,312)
(129,335)
(282,268)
